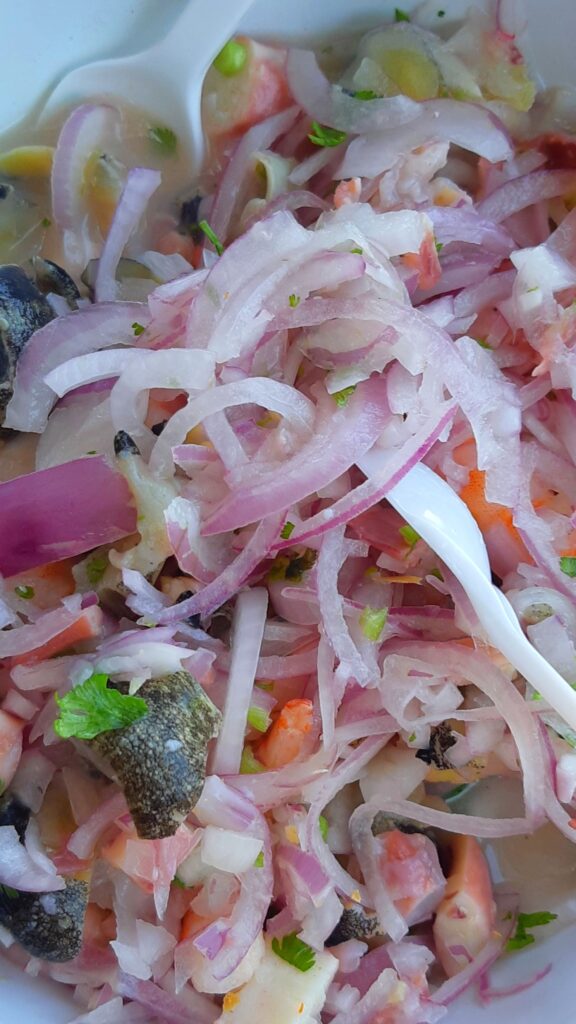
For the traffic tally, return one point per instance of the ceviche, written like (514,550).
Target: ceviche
(258,759)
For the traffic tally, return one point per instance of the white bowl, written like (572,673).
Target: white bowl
(40,42)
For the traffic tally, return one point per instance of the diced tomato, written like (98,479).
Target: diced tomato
(505,546)
(87,627)
(426,262)
(10,746)
(286,737)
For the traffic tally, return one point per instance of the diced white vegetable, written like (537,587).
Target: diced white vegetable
(280,993)
(229,851)
(193,870)
(393,774)
(201,969)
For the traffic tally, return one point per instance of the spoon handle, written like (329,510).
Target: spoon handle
(199,33)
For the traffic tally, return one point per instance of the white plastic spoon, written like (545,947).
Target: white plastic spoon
(165,80)
(444,522)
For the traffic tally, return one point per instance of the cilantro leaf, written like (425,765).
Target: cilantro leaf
(293,301)
(92,708)
(259,862)
(323,826)
(365,94)
(163,138)
(341,397)
(324,136)
(287,530)
(24,591)
(95,568)
(211,236)
(372,621)
(400,15)
(295,952)
(138,329)
(568,566)
(522,936)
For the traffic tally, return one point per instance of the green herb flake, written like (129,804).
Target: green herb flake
(436,574)
(138,329)
(323,826)
(412,737)
(46,222)
(409,535)
(320,135)
(24,591)
(524,924)
(178,883)
(95,568)
(439,246)
(163,139)
(357,251)
(287,530)
(440,14)
(295,952)
(232,58)
(372,621)
(293,301)
(483,343)
(249,765)
(341,397)
(211,236)
(536,695)
(259,862)
(258,719)
(458,791)
(91,708)
(568,566)
(366,94)
(400,15)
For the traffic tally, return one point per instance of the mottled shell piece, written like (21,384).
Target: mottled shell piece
(23,309)
(160,760)
(355,923)
(47,925)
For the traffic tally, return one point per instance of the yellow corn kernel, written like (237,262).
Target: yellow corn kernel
(291,833)
(27,161)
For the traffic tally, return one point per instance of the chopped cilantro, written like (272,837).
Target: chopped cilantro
(211,236)
(437,574)
(178,883)
(365,94)
(524,924)
(535,695)
(287,530)
(341,397)
(92,708)
(259,862)
(164,139)
(372,621)
(412,737)
(258,719)
(357,251)
(400,15)
(46,222)
(95,568)
(24,591)
(483,343)
(324,136)
(292,567)
(568,566)
(440,14)
(439,246)
(231,59)
(295,952)
(138,328)
(323,826)
(409,535)
(293,300)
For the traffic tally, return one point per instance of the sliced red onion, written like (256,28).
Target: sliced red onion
(84,839)
(330,105)
(333,553)
(157,1002)
(227,584)
(461,224)
(88,129)
(463,124)
(83,331)
(260,137)
(339,440)
(519,193)
(489,292)
(487,992)
(140,185)
(247,632)
(19,868)
(45,525)
(94,366)
(32,778)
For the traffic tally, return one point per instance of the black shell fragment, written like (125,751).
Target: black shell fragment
(47,925)
(124,445)
(441,739)
(23,309)
(50,277)
(14,812)
(160,760)
(355,923)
